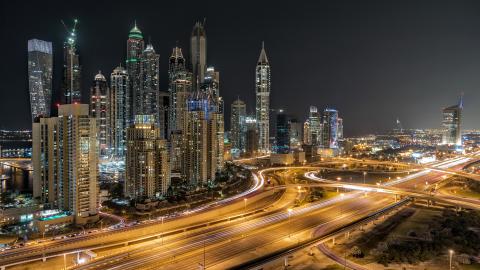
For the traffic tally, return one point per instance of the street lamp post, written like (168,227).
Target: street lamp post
(289,215)
(451,255)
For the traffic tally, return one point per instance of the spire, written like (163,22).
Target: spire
(262,59)
(135,32)
(99,76)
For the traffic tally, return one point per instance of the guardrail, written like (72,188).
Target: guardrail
(260,261)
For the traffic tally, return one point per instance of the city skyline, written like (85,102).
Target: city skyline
(352,70)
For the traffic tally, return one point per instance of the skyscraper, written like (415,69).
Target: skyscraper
(198,54)
(211,85)
(340,128)
(262,109)
(307,133)
(147,173)
(40,61)
(180,85)
(452,120)
(71,69)
(65,159)
(329,128)
(282,137)
(135,48)
(238,127)
(295,133)
(315,126)
(117,110)
(252,136)
(100,111)
(148,100)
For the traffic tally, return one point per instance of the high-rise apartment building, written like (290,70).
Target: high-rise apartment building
(238,128)
(329,128)
(65,159)
(282,137)
(40,68)
(295,133)
(119,86)
(147,172)
(340,128)
(135,48)
(100,111)
(262,107)
(148,99)
(315,122)
(198,54)
(180,85)
(251,136)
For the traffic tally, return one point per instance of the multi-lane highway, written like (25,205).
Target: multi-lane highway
(222,243)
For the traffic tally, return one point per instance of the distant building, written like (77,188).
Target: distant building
(307,133)
(119,120)
(295,133)
(147,172)
(262,105)
(148,98)
(451,124)
(340,128)
(198,54)
(65,160)
(238,127)
(315,126)
(100,111)
(251,136)
(329,128)
(135,48)
(180,85)
(40,68)
(163,105)
(282,137)
(71,86)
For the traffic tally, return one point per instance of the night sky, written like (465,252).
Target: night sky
(374,61)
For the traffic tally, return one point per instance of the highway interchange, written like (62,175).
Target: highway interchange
(227,233)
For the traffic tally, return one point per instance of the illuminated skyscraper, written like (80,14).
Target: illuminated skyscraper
(252,136)
(238,128)
(117,110)
(295,133)
(40,61)
(99,110)
(340,128)
(315,126)
(180,85)
(71,69)
(198,54)
(262,109)
(135,48)
(452,120)
(148,99)
(282,137)
(329,128)
(65,159)
(147,173)
(307,134)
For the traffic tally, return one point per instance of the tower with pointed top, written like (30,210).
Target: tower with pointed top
(148,100)
(198,54)
(99,110)
(452,120)
(71,69)
(262,106)
(135,48)
(119,83)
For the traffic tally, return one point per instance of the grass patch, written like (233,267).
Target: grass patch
(418,222)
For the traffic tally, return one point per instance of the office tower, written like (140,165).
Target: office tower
(147,172)
(329,128)
(262,109)
(451,124)
(340,128)
(238,126)
(119,82)
(180,85)
(295,133)
(251,136)
(99,110)
(211,85)
(315,126)
(307,133)
(163,105)
(282,137)
(40,62)
(198,54)
(135,48)
(65,159)
(71,86)
(149,95)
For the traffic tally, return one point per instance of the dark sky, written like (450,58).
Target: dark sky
(372,60)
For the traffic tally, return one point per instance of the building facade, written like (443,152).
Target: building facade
(148,100)
(238,127)
(329,129)
(262,106)
(282,137)
(100,111)
(135,48)
(198,54)
(119,83)
(40,69)
(451,124)
(71,83)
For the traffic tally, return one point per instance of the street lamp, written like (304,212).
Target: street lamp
(451,255)
(289,215)
(364,174)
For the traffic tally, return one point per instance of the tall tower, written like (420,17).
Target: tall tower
(314,120)
(238,126)
(180,85)
(117,109)
(149,97)
(71,68)
(99,110)
(198,54)
(282,133)
(452,121)
(329,128)
(40,62)
(262,89)
(135,48)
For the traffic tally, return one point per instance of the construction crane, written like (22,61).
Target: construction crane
(71,32)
